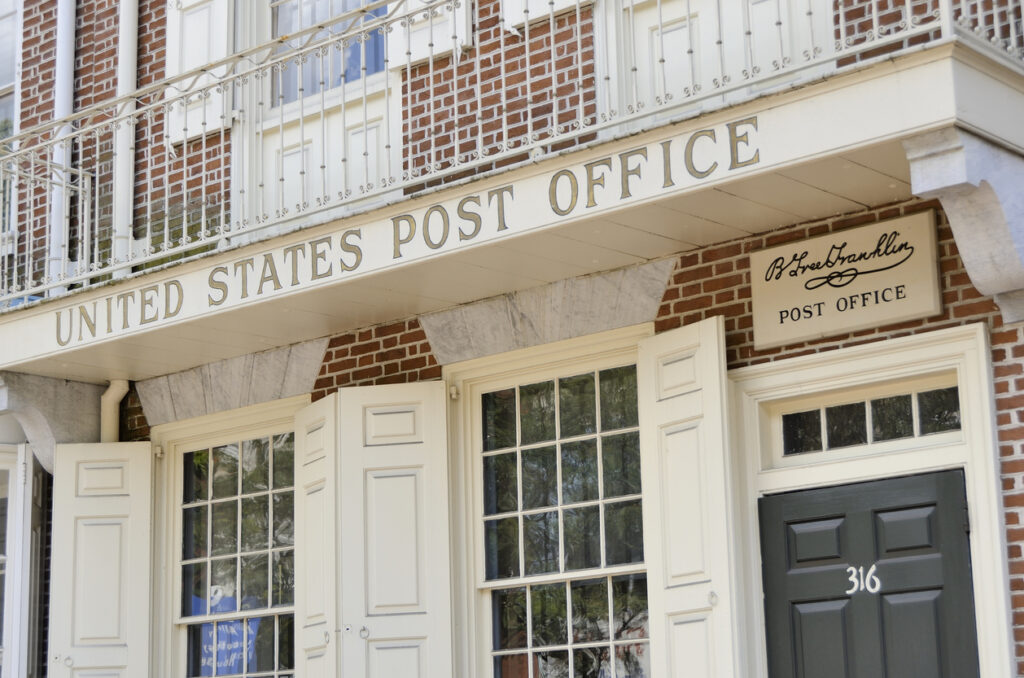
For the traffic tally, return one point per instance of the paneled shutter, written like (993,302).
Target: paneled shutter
(101,565)
(396,590)
(681,383)
(199,32)
(316,529)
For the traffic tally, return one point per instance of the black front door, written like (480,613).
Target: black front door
(870,580)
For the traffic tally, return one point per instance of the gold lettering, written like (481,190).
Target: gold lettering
(293,253)
(444,226)
(736,139)
(628,171)
(667,167)
(593,180)
(351,248)
(179,298)
(61,341)
(470,216)
(399,240)
(688,154)
(500,194)
(269,273)
(123,299)
(148,301)
(242,269)
(85,319)
(320,255)
(218,285)
(574,192)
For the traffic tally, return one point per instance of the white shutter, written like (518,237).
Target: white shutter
(316,527)
(681,382)
(22,556)
(396,590)
(199,32)
(101,563)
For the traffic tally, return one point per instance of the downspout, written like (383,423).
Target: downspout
(124,140)
(110,410)
(60,152)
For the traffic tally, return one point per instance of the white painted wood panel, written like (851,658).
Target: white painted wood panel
(396,570)
(316,590)
(683,442)
(100,591)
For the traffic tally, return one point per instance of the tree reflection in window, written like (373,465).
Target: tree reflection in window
(561,496)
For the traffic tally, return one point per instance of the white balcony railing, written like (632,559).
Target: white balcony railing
(399,96)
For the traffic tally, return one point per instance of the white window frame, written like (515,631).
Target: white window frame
(468,381)
(759,393)
(171,442)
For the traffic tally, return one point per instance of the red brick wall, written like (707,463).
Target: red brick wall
(537,97)
(38,54)
(396,353)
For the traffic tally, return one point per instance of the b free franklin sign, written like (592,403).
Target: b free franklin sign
(845,281)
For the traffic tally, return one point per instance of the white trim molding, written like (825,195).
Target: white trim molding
(960,352)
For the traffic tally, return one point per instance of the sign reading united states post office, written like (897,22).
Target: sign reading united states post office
(845,281)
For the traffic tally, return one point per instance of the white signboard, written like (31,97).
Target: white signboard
(844,281)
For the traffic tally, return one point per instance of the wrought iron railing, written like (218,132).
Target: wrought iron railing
(400,96)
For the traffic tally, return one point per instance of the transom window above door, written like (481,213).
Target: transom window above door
(336,64)
(562,520)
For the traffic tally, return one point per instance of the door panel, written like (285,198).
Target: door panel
(870,579)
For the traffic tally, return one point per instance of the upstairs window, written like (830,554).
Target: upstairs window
(360,56)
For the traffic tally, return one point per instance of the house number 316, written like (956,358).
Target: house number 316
(863,581)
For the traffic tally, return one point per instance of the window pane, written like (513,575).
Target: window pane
(508,609)
(618,398)
(892,418)
(939,410)
(801,432)
(193,533)
(255,465)
(846,425)
(576,405)
(197,466)
(548,611)
(284,460)
(500,484)
(225,528)
(225,471)
(499,419)
(590,610)
(537,412)
(629,601)
(591,662)
(540,478)
(502,548)
(262,642)
(284,578)
(199,655)
(286,642)
(284,519)
(193,589)
(7,44)
(582,538)
(255,591)
(255,523)
(579,471)
(620,460)
(6,116)
(223,591)
(551,664)
(633,661)
(512,666)
(230,643)
(540,542)
(623,533)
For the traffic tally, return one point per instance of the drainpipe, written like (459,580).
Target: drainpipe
(60,152)
(124,139)
(110,410)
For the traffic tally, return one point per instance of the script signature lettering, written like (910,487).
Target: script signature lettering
(840,267)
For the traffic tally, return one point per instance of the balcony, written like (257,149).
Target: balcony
(396,99)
